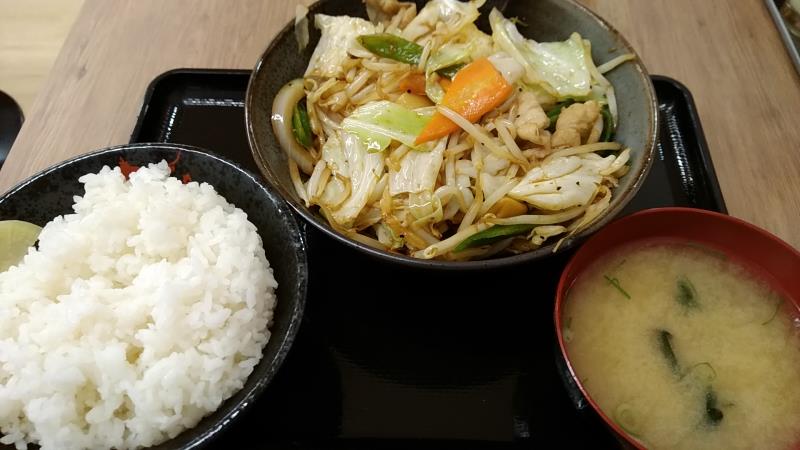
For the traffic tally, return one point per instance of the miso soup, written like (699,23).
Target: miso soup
(685,349)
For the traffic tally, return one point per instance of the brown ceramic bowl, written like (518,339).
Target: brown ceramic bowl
(547,20)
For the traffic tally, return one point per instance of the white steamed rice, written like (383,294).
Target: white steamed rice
(137,315)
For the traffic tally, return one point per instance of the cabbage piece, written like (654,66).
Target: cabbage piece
(493,164)
(378,123)
(425,207)
(544,232)
(333,155)
(545,99)
(380,11)
(368,217)
(433,90)
(558,67)
(511,70)
(452,15)
(365,170)
(301,26)
(387,236)
(334,194)
(418,171)
(469,45)
(563,66)
(562,183)
(491,183)
(481,43)
(338,38)
(336,191)
(445,56)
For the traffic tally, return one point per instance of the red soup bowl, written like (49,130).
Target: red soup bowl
(763,254)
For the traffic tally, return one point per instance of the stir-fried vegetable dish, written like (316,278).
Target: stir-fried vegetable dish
(418,133)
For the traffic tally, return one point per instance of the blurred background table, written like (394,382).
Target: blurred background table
(728,53)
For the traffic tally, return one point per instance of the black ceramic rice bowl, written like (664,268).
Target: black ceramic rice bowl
(50,193)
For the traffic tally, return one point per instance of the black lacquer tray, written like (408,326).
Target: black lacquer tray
(395,358)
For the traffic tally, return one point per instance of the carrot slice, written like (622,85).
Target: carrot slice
(476,89)
(413,83)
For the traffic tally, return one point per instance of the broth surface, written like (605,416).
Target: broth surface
(685,349)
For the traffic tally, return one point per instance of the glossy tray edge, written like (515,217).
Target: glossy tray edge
(705,153)
(158,81)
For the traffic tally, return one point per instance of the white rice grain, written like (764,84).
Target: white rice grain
(137,315)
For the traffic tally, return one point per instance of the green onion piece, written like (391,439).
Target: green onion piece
(615,282)
(703,372)
(492,235)
(450,72)
(774,312)
(624,417)
(608,125)
(687,294)
(393,47)
(301,127)
(665,345)
(714,415)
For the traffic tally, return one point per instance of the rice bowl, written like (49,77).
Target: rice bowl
(137,315)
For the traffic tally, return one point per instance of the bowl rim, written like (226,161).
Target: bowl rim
(564,284)
(491,263)
(212,431)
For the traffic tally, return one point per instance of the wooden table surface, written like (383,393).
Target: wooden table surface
(32,33)
(728,53)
